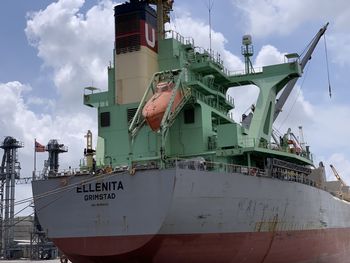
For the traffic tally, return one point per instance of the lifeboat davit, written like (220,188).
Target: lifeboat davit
(155,108)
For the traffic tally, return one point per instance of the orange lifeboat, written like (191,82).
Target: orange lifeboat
(155,108)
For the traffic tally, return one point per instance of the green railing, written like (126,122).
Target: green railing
(252,142)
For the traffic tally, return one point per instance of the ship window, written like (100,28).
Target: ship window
(105,119)
(189,115)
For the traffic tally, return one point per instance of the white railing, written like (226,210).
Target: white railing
(175,35)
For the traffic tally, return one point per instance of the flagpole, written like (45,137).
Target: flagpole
(34,172)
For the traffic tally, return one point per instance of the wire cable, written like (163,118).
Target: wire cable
(296,98)
(326,51)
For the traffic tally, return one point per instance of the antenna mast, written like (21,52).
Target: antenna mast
(210,6)
(301,137)
(247,52)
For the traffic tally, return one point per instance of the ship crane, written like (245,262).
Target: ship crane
(336,174)
(289,87)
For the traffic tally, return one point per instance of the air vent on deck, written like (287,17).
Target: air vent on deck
(105,119)
(131,113)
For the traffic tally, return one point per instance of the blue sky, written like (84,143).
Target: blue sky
(50,50)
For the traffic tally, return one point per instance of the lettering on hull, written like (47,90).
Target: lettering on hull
(100,191)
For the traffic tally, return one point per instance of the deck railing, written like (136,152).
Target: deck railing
(202,165)
(175,35)
(196,164)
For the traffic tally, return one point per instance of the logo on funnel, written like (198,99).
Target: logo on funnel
(150,42)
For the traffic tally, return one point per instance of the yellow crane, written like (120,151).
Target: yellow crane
(337,176)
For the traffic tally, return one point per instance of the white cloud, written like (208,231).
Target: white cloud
(265,17)
(339,43)
(268,17)
(269,55)
(341,164)
(296,111)
(324,126)
(46,105)
(18,121)
(199,30)
(77,46)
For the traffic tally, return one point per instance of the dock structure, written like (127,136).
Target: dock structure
(9,172)
(21,237)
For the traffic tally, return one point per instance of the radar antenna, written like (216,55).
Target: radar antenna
(247,52)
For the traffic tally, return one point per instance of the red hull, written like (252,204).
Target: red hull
(321,246)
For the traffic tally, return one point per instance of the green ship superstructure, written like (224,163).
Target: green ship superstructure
(201,124)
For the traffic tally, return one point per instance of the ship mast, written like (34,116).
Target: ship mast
(163,10)
(160,20)
(247,52)
(271,81)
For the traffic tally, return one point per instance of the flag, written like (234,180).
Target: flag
(39,147)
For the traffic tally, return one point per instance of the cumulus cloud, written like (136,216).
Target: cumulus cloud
(76,46)
(199,30)
(265,17)
(268,17)
(296,111)
(339,43)
(324,126)
(269,55)
(18,121)
(341,164)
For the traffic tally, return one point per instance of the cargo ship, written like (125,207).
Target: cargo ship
(174,179)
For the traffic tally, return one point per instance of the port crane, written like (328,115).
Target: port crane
(336,174)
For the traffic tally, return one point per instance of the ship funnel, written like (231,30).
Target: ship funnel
(136,49)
